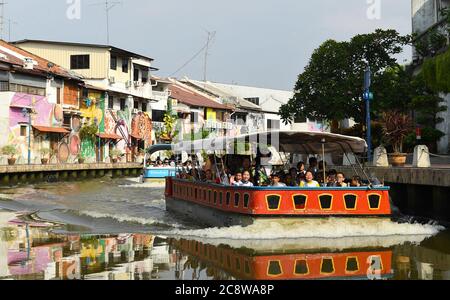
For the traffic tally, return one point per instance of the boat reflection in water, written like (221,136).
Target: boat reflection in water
(225,262)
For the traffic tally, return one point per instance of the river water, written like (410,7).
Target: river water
(119,229)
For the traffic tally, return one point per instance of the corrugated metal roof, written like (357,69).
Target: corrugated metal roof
(192,98)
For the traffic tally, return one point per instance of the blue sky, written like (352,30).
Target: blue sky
(264,43)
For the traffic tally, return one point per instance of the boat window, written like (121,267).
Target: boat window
(374,201)
(327,266)
(300,202)
(352,264)
(204,195)
(209,196)
(228,199)
(215,197)
(237,198)
(274,268)
(195,191)
(246,200)
(301,267)
(350,201)
(246,267)
(220,198)
(228,261)
(221,257)
(238,264)
(196,247)
(273,202)
(326,201)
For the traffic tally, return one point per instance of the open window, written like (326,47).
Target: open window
(327,266)
(352,264)
(301,267)
(237,199)
(326,201)
(350,201)
(374,201)
(273,202)
(300,201)
(246,200)
(274,268)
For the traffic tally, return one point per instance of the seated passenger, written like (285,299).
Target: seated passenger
(291,179)
(246,179)
(331,179)
(309,180)
(209,176)
(356,181)
(237,179)
(301,169)
(340,180)
(276,181)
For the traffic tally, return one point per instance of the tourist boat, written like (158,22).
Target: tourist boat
(156,174)
(296,264)
(224,205)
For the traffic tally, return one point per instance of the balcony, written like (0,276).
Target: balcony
(160,96)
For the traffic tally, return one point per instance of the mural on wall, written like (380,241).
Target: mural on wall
(43,114)
(93,109)
(141,126)
(120,128)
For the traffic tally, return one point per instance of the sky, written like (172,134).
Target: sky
(262,43)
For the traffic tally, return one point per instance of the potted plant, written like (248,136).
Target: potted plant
(45,153)
(114,154)
(81,158)
(396,128)
(11,151)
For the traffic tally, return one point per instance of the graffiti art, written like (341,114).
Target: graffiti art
(63,153)
(74,144)
(141,126)
(76,123)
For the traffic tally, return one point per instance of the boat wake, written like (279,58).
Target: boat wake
(314,228)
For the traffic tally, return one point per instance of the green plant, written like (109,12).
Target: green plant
(46,152)
(397,126)
(114,153)
(9,150)
(88,132)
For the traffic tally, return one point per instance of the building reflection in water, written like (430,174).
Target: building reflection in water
(34,253)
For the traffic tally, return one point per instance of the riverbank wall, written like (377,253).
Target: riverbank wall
(28,174)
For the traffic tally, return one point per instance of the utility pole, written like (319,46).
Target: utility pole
(2,16)
(368,96)
(211,36)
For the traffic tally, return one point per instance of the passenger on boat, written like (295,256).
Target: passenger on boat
(292,178)
(246,179)
(331,178)
(313,165)
(309,180)
(276,180)
(301,169)
(209,177)
(237,180)
(340,180)
(356,181)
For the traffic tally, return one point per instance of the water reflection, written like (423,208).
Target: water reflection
(29,251)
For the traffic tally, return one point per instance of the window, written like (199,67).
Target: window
(220,198)
(228,197)
(237,198)
(300,202)
(125,65)
(351,265)
(301,267)
(144,106)
(23,130)
(79,62)
(136,105)
(215,197)
(144,76)
(158,115)
(18,88)
(67,120)
(273,202)
(122,104)
(273,124)
(374,201)
(327,266)
(254,100)
(350,201)
(113,62)
(194,117)
(58,95)
(326,201)
(246,200)
(274,268)
(136,75)
(110,102)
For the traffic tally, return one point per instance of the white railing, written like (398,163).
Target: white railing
(160,96)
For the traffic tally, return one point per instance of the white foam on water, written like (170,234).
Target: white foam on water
(122,218)
(314,228)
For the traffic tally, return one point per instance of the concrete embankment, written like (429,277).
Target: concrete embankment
(26,174)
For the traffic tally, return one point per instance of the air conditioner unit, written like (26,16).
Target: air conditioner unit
(128,84)
(28,63)
(112,80)
(137,83)
(135,111)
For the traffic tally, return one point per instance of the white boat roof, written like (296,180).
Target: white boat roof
(301,142)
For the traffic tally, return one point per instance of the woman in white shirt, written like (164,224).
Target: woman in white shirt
(246,179)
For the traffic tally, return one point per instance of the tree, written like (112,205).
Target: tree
(330,87)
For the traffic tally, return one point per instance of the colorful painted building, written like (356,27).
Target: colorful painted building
(39,107)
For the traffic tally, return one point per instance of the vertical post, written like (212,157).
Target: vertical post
(29,137)
(367,97)
(324,163)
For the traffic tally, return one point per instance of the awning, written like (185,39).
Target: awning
(51,129)
(136,136)
(109,136)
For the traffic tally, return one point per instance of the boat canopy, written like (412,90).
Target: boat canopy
(301,142)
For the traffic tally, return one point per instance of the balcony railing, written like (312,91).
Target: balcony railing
(160,96)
